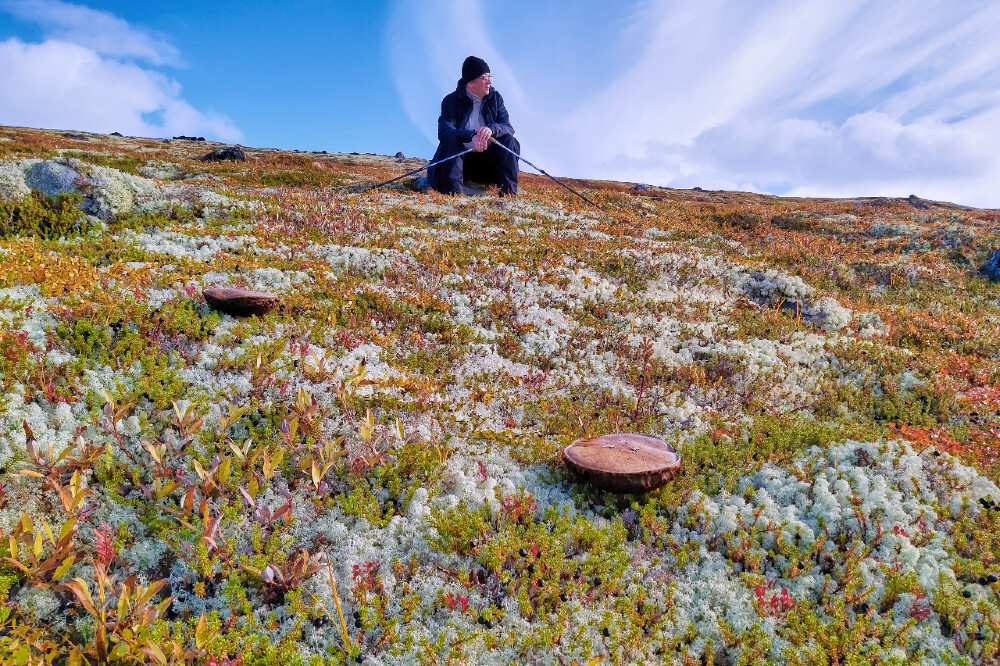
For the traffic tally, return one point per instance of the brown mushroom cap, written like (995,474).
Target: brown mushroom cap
(241,302)
(623,462)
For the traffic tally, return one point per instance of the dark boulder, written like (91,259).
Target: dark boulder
(640,187)
(229,153)
(400,155)
(75,136)
(917,202)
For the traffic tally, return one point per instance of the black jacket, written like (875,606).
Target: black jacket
(456,107)
(455,110)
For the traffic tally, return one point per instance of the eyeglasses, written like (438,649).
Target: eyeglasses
(485,78)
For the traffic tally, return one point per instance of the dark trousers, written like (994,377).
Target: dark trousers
(493,166)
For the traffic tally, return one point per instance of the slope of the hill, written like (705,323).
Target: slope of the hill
(180,485)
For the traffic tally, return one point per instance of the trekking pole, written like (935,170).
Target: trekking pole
(547,174)
(410,173)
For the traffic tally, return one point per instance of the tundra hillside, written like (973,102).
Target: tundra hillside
(373,471)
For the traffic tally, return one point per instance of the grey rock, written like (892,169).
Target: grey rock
(52,178)
(697,189)
(991,268)
(917,202)
(877,202)
(74,135)
(229,153)
(642,187)
(400,155)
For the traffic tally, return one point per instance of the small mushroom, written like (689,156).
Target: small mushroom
(623,462)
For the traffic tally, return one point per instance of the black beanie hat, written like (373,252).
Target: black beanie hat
(473,68)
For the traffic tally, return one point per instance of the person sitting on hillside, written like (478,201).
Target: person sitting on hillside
(470,116)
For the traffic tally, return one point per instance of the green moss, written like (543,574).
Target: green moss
(44,217)
(120,161)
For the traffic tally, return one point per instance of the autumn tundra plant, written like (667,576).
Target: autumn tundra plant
(372,472)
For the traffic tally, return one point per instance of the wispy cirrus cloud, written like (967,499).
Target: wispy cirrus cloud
(842,97)
(94,71)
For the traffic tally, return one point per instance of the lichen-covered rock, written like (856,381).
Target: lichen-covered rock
(13,186)
(162,171)
(53,178)
(114,193)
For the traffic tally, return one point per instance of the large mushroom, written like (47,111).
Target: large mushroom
(241,302)
(623,462)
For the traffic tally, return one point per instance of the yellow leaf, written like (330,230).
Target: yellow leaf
(167,489)
(201,633)
(153,452)
(154,651)
(65,452)
(67,527)
(78,499)
(124,605)
(163,606)
(224,469)
(78,586)
(316,475)
(33,473)
(48,530)
(75,657)
(236,413)
(64,567)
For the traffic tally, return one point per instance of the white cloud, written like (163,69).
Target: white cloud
(99,30)
(830,97)
(83,77)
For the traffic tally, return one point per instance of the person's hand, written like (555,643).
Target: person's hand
(481,139)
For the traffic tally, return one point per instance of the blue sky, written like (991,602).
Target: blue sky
(817,97)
